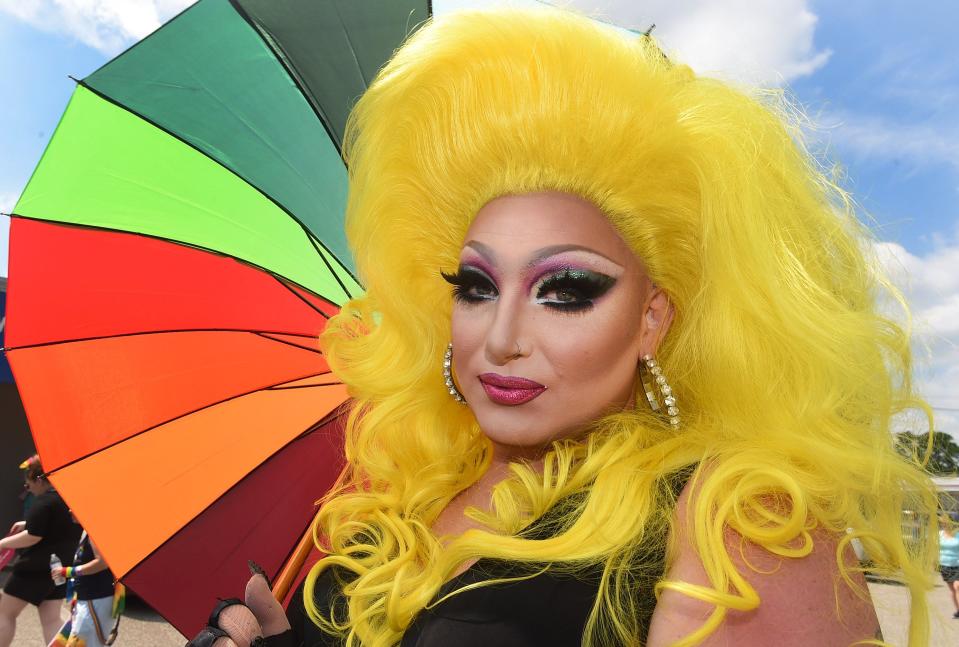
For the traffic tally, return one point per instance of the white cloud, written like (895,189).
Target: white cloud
(755,42)
(106,25)
(764,43)
(883,138)
(931,286)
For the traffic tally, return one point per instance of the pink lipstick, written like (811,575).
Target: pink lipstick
(510,391)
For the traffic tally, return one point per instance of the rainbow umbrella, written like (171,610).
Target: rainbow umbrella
(173,258)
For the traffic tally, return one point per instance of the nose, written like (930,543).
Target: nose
(506,338)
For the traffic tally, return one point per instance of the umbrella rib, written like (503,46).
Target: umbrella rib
(316,245)
(144,39)
(181,243)
(329,417)
(189,413)
(300,386)
(289,343)
(159,332)
(158,126)
(349,43)
(290,70)
(300,297)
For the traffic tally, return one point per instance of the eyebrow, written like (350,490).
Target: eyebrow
(544,252)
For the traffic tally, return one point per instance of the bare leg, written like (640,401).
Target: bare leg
(10,608)
(954,589)
(50,618)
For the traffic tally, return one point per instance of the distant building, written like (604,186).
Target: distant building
(948,487)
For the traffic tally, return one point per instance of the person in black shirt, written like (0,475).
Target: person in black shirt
(47,530)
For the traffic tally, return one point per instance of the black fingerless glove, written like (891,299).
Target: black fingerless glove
(209,634)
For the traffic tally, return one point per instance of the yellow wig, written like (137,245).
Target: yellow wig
(786,374)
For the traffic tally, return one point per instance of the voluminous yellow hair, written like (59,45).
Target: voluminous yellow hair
(786,374)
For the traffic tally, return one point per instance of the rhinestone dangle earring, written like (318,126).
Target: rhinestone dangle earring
(653,381)
(448,375)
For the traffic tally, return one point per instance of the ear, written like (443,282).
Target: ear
(657,318)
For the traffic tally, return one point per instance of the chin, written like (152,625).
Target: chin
(522,430)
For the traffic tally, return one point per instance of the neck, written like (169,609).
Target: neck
(503,455)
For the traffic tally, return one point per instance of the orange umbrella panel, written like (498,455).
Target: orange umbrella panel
(186,465)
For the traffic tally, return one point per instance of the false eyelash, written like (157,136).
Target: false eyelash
(466,279)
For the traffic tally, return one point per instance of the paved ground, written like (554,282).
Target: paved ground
(892,606)
(142,628)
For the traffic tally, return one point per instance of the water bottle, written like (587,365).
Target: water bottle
(55,563)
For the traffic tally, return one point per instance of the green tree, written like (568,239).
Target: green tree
(942,460)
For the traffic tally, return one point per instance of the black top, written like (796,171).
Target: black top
(49,518)
(550,608)
(93,586)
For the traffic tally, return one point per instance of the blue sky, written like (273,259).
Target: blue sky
(881,80)
(892,81)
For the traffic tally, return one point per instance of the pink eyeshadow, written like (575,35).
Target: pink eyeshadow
(479,263)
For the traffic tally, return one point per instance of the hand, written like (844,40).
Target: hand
(19,526)
(56,573)
(261,622)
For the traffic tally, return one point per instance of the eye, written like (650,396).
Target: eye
(573,290)
(471,285)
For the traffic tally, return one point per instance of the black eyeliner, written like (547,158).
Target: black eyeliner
(584,286)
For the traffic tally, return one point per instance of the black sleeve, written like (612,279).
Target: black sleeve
(40,516)
(307,634)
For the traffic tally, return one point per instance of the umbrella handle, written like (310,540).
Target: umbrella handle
(283,582)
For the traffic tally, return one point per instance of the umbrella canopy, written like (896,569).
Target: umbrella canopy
(173,259)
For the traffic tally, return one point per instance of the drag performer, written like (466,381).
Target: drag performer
(618,376)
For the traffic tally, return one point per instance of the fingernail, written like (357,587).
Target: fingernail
(256,569)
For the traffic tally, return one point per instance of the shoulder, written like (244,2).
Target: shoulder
(803,601)
(41,507)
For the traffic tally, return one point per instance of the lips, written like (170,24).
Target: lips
(508,390)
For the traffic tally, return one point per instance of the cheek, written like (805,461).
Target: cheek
(467,331)
(597,352)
